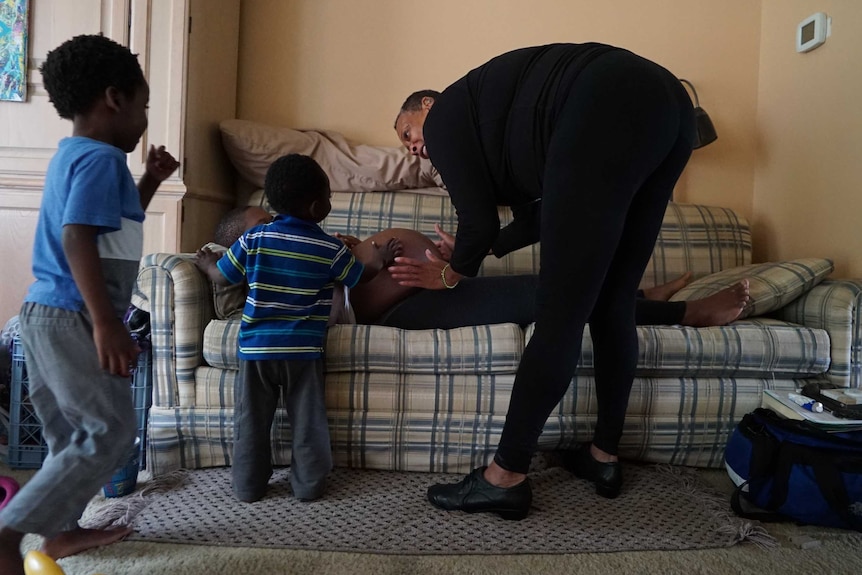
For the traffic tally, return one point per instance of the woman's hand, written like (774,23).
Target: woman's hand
(426,274)
(160,163)
(446,243)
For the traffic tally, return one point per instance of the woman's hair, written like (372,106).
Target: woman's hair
(78,72)
(293,182)
(413,103)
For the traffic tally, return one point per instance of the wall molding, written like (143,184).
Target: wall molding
(25,190)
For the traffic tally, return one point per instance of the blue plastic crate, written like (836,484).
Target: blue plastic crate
(27,448)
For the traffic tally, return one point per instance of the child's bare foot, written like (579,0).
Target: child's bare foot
(71,542)
(718,309)
(11,560)
(664,291)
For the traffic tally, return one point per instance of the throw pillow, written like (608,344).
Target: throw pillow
(772,285)
(228,301)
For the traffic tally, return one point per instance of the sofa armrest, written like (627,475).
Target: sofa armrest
(179,300)
(834,306)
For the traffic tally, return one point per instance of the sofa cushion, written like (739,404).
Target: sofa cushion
(752,348)
(772,285)
(389,350)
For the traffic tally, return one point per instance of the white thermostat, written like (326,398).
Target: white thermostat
(813,31)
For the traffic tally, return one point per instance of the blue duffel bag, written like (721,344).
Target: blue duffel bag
(791,470)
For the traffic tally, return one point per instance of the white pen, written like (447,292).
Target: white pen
(805,402)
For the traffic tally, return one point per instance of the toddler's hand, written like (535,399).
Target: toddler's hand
(389,251)
(206,258)
(349,241)
(160,163)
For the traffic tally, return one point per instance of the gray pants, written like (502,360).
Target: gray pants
(256,394)
(87,415)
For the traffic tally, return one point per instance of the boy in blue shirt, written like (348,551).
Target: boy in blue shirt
(291,266)
(89,239)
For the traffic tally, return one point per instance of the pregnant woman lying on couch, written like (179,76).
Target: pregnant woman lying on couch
(485,299)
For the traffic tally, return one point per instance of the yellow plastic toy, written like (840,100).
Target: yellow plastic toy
(37,563)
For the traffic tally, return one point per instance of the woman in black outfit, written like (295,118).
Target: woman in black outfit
(585,143)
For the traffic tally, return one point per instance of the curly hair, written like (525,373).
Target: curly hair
(293,182)
(231,227)
(78,72)
(413,103)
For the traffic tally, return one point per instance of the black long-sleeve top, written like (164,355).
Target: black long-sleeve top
(488,135)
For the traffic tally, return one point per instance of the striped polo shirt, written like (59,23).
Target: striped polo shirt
(290,265)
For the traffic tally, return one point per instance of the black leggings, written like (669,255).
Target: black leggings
(620,142)
(499,299)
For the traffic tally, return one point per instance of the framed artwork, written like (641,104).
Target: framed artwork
(13,49)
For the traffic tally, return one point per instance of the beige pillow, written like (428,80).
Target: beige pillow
(772,285)
(228,301)
(252,147)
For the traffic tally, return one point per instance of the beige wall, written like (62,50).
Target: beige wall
(347,65)
(808,181)
(790,126)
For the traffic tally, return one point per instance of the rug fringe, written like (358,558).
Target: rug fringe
(748,531)
(121,512)
(737,529)
(165,482)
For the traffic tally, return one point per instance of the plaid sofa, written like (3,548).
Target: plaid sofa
(435,400)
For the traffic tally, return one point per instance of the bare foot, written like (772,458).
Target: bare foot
(664,291)
(718,309)
(71,542)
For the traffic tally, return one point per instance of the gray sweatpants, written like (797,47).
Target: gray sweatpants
(299,383)
(87,415)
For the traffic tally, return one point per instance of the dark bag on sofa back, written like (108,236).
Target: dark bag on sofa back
(794,471)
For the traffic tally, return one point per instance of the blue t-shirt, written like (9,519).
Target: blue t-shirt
(87,183)
(291,266)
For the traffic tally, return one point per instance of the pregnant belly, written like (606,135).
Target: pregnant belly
(371,299)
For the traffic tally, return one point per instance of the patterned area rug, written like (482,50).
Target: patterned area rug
(660,508)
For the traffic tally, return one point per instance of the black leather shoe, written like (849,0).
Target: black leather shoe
(475,495)
(608,477)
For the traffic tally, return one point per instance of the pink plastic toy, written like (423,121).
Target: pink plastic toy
(8,488)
